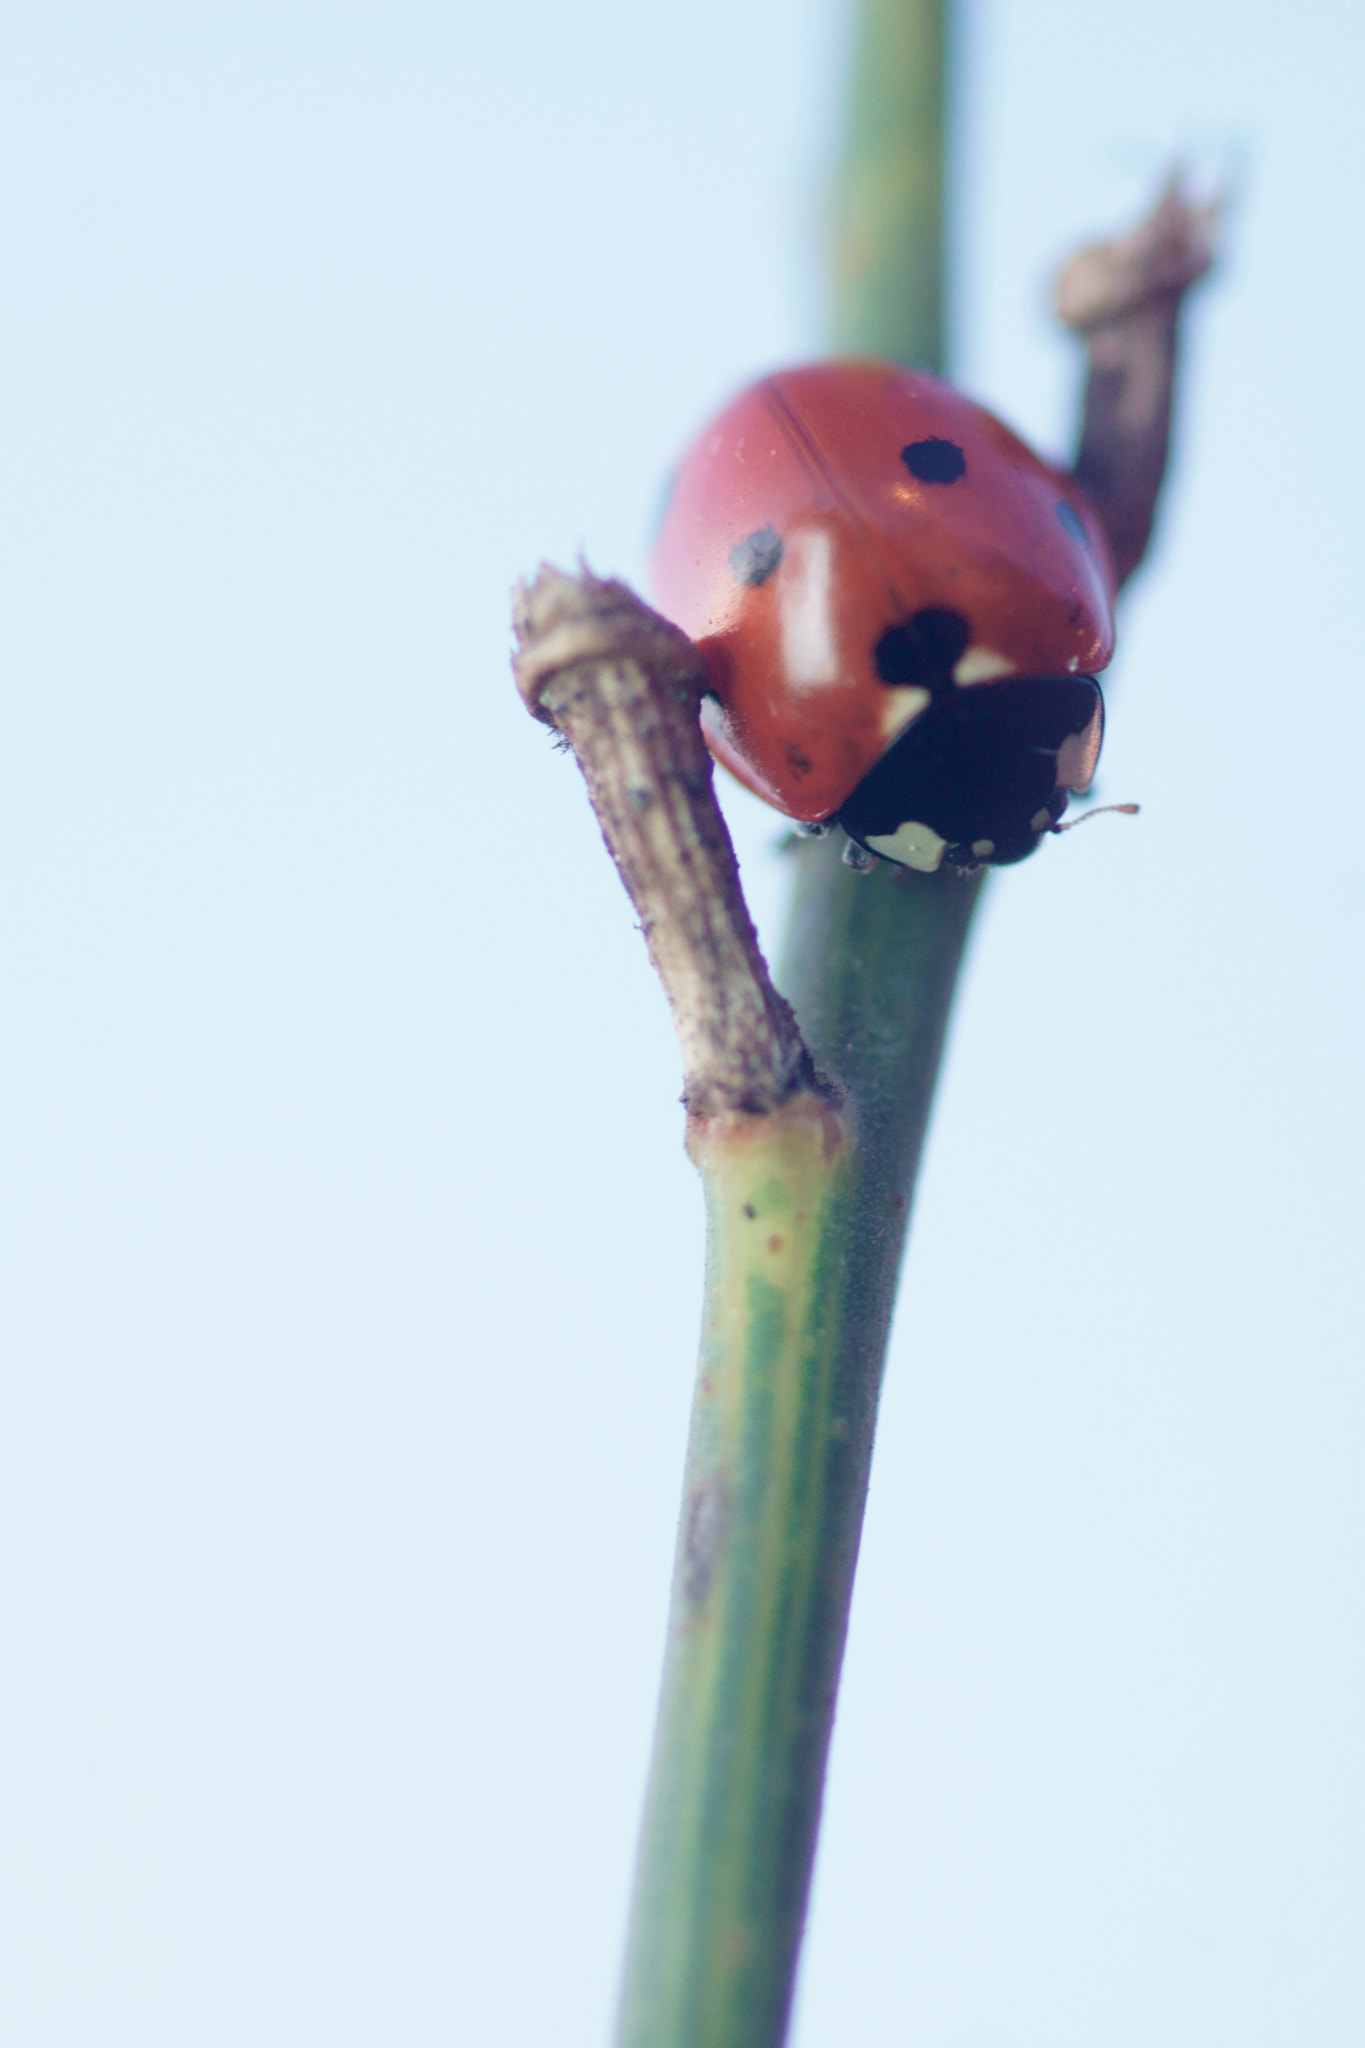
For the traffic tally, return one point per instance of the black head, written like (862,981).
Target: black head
(982,773)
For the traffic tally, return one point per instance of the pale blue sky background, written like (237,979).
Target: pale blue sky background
(350,1258)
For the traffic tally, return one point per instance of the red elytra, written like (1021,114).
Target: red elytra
(829,504)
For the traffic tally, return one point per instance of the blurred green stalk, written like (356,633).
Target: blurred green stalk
(807,1210)
(871,961)
(886,211)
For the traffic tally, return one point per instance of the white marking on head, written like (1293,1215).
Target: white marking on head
(1041,821)
(983,848)
(1078,755)
(982,665)
(913,846)
(805,608)
(902,703)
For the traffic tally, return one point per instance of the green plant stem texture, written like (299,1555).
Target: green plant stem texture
(807,1211)
(886,209)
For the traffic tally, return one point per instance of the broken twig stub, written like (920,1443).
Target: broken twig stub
(1123,298)
(624,687)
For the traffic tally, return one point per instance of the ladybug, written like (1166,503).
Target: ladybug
(902,609)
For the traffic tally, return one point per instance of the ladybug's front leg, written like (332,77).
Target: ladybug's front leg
(1124,298)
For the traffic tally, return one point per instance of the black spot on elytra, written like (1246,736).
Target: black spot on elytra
(753,559)
(935,461)
(1071,520)
(925,650)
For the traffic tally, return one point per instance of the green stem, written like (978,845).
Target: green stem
(871,960)
(806,1215)
(776,1455)
(886,240)
(807,1209)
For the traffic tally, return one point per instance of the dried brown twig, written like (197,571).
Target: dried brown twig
(1124,298)
(623,686)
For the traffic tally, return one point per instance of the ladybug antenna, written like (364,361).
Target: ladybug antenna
(1128,811)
